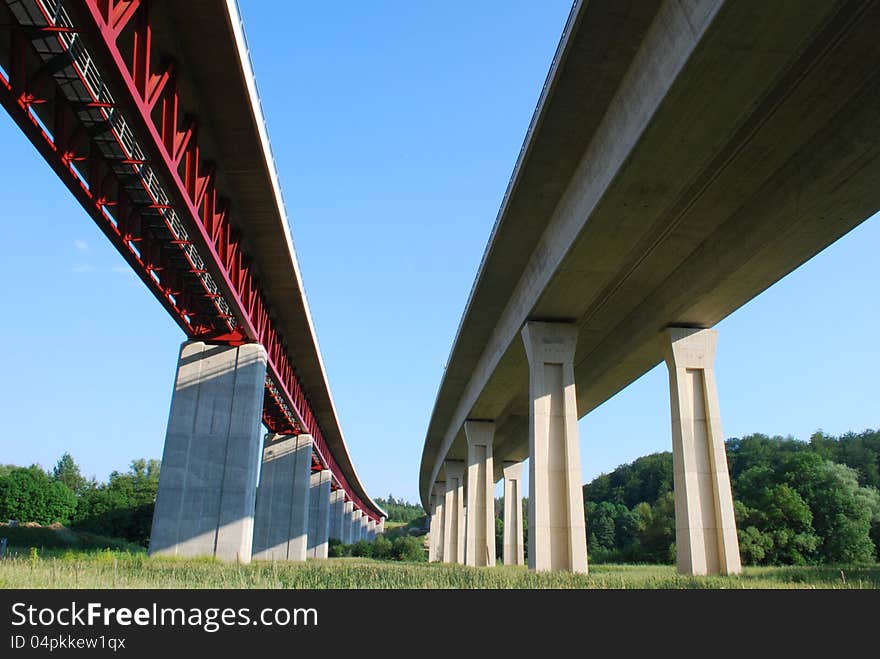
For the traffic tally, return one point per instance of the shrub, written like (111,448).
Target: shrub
(407,548)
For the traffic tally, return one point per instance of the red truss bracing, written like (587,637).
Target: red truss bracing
(114,129)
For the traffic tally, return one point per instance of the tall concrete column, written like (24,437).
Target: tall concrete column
(319,514)
(513,522)
(207,484)
(347,522)
(337,514)
(557,531)
(380,527)
(371,530)
(480,532)
(357,526)
(365,533)
(435,541)
(453,518)
(705,527)
(281,522)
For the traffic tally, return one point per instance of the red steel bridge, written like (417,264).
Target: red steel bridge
(149,114)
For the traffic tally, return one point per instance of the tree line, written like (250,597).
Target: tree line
(120,508)
(795,502)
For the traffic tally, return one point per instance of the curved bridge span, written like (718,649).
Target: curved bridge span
(149,113)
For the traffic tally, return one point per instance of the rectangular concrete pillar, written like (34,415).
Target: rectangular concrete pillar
(365,533)
(513,522)
(380,527)
(207,484)
(319,514)
(705,527)
(557,531)
(453,519)
(435,539)
(480,532)
(337,514)
(357,533)
(281,522)
(371,530)
(347,523)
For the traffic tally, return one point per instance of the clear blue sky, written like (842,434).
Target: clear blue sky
(396,126)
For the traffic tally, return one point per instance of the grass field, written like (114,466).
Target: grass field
(118,569)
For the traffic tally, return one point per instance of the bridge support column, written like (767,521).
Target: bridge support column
(453,518)
(513,521)
(207,485)
(438,523)
(371,530)
(480,532)
(557,531)
(365,531)
(705,527)
(319,514)
(347,522)
(337,514)
(357,527)
(380,527)
(281,523)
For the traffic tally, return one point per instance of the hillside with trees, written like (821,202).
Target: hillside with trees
(795,502)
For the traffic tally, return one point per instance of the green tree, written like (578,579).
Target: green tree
(67,472)
(29,495)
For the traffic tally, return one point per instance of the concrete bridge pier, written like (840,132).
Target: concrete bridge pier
(480,491)
(438,523)
(705,527)
(319,514)
(357,528)
(347,522)
(207,485)
(513,551)
(380,527)
(281,521)
(371,530)
(557,532)
(365,531)
(337,514)
(453,518)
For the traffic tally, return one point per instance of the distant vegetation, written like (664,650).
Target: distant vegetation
(795,502)
(399,510)
(120,508)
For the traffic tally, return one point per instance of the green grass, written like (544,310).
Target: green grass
(119,569)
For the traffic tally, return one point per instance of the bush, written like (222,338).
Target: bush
(382,548)
(29,495)
(362,549)
(335,548)
(407,548)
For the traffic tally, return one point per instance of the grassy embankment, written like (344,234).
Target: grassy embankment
(69,559)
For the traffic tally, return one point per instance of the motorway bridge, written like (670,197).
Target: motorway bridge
(149,114)
(683,157)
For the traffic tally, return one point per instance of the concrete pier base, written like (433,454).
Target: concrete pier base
(480,531)
(206,495)
(557,531)
(453,518)
(365,531)
(705,527)
(514,551)
(281,523)
(319,514)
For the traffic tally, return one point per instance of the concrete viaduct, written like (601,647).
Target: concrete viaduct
(149,114)
(683,157)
